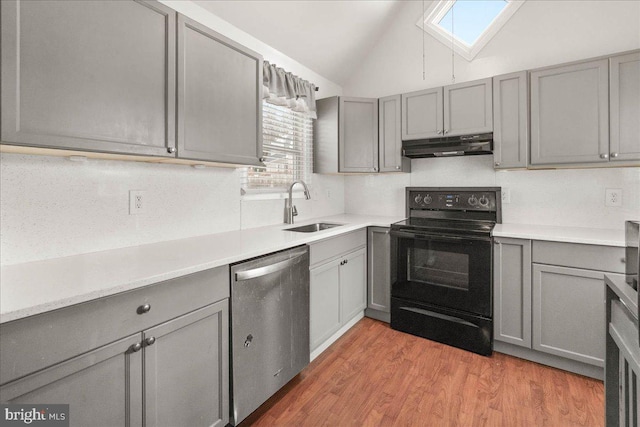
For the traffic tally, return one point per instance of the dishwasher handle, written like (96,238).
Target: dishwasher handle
(268,269)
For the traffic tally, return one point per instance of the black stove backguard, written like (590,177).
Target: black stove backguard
(441,257)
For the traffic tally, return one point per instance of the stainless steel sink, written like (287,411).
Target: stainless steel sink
(312,228)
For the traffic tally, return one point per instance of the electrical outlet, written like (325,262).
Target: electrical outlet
(137,202)
(506,196)
(613,197)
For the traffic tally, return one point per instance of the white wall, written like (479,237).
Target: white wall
(541,33)
(51,207)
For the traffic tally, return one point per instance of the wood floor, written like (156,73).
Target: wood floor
(375,376)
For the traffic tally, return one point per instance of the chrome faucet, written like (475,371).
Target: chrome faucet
(289,209)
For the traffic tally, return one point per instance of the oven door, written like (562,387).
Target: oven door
(446,271)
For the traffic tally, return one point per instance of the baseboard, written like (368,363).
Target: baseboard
(574,366)
(378,315)
(333,338)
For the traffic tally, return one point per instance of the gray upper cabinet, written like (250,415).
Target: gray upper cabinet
(570,113)
(459,109)
(358,135)
(345,135)
(422,114)
(512,291)
(219,97)
(468,108)
(625,107)
(93,76)
(390,135)
(511,120)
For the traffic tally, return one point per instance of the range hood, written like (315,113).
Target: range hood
(462,145)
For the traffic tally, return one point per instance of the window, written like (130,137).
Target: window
(472,24)
(287,148)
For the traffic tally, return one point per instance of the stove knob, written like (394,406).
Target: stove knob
(418,198)
(473,200)
(428,199)
(483,201)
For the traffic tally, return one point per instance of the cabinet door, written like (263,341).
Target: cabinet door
(89,75)
(103,387)
(625,107)
(569,313)
(511,120)
(512,291)
(324,302)
(353,285)
(219,97)
(379,269)
(570,114)
(187,369)
(358,135)
(390,136)
(422,114)
(468,108)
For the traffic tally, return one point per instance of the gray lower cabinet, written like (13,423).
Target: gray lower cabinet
(219,97)
(512,291)
(549,301)
(569,313)
(625,107)
(102,387)
(92,76)
(170,368)
(337,288)
(378,274)
(390,136)
(511,120)
(570,113)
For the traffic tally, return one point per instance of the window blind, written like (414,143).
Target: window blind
(287,151)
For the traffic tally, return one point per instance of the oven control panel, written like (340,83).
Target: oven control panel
(462,200)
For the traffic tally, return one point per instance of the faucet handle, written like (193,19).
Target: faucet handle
(294,211)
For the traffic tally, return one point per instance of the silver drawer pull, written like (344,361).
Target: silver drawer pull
(135,347)
(144,309)
(150,341)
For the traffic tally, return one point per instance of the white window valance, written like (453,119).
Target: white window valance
(287,90)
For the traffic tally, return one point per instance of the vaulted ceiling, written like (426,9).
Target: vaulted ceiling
(329,37)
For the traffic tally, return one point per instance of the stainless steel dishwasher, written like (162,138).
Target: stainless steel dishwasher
(269,326)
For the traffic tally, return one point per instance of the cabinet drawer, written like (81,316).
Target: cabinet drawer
(336,246)
(33,343)
(591,257)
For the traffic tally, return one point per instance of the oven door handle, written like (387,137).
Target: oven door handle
(428,236)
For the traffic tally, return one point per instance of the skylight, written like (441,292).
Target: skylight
(468,25)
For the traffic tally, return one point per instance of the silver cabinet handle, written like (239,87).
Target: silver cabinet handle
(439,132)
(446,131)
(150,341)
(604,156)
(398,167)
(171,149)
(375,169)
(614,155)
(497,163)
(144,309)
(135,347)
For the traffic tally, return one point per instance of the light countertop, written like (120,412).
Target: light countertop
(591,236)
(36,287)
